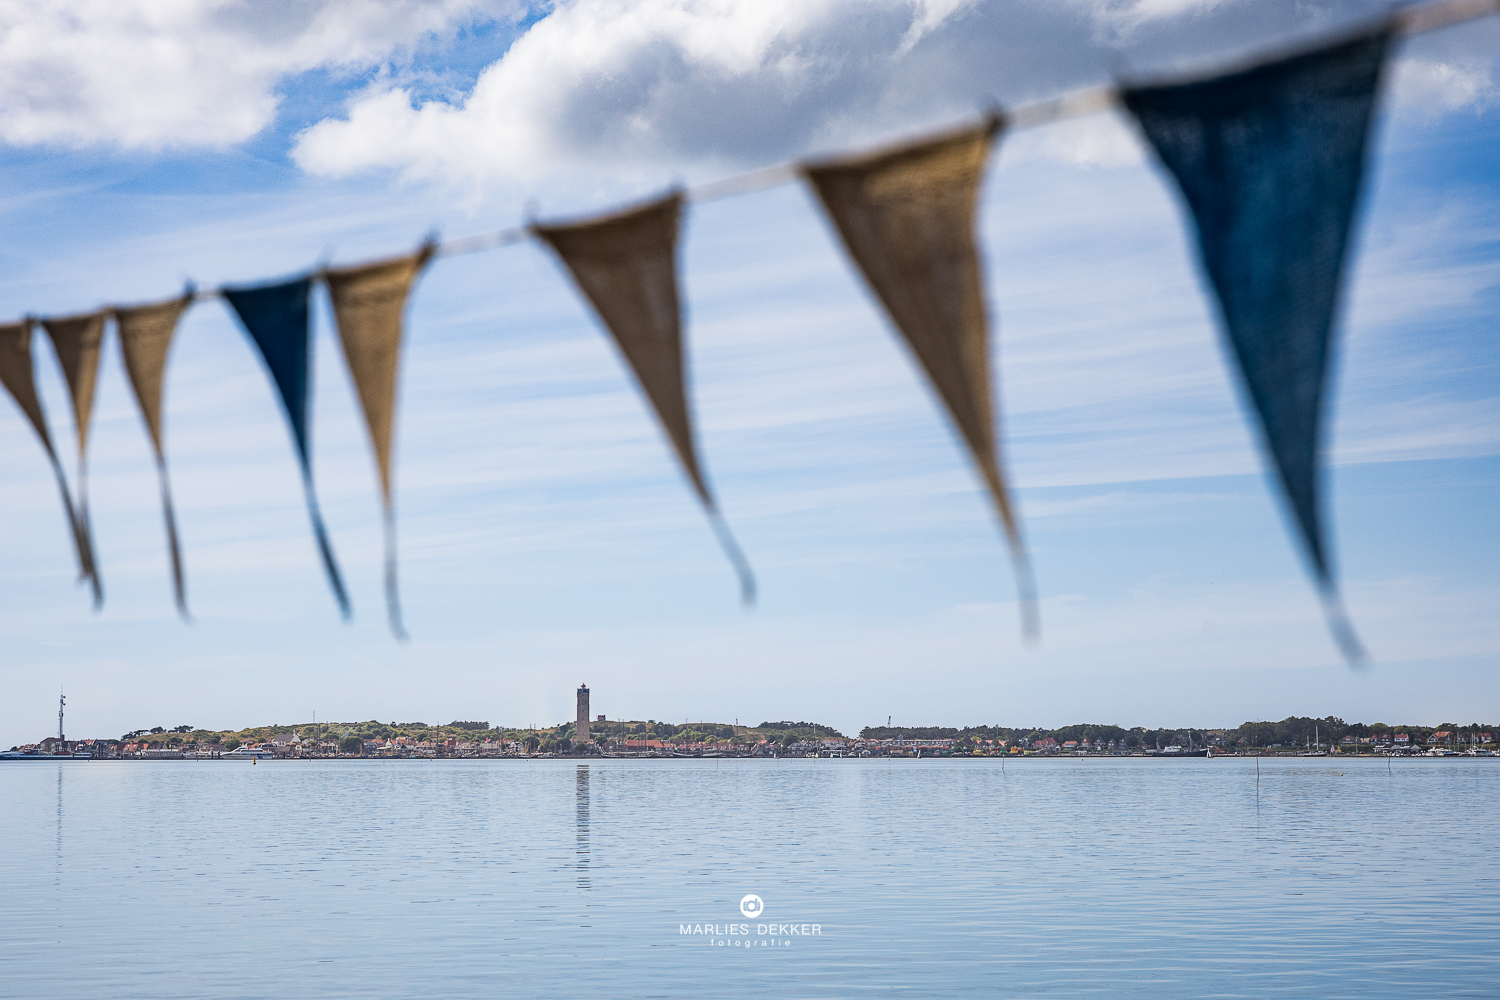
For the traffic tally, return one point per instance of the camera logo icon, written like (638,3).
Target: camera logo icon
(752,905)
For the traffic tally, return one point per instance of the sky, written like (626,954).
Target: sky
(547,536)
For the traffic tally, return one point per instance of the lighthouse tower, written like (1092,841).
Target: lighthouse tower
(581,737)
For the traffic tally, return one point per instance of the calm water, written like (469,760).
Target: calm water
(457,879)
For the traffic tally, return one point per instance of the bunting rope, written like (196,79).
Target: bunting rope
(1272,233)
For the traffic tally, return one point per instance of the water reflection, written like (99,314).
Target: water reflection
(581,849)
(60,770)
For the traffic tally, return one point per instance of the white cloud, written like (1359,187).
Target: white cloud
(158,73)
(683,86)
(1122,18)
(1436,86)
(651,81)
(1447,70)
(695,84)
(665,86)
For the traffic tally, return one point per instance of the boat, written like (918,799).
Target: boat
(248,753)
(1176,751)
(39,755)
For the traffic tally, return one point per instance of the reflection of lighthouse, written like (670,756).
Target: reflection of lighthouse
(581,737)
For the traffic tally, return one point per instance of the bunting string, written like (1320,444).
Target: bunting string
(1268,158)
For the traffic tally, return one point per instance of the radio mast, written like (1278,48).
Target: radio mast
(60,702)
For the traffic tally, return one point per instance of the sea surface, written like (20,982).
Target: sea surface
(444,880)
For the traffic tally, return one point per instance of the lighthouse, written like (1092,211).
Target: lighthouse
(581,737)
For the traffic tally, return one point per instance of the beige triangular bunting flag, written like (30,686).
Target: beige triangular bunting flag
(77,341)
(906,216)
(369,303)
(145,339)
(626,266)
(17,372)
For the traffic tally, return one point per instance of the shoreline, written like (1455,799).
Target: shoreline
(596,758)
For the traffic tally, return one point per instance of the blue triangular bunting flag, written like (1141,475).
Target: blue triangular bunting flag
(277,319)
(1269,160)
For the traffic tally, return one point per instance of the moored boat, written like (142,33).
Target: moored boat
(41,755)
(248,753)
(1175,751)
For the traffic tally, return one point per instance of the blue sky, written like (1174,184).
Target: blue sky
(547,537)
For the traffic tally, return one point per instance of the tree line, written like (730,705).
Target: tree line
(1292,731)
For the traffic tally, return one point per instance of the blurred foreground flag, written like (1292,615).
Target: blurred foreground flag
(146,334)
(277,320)
(626,266)
(906,216)
(17,372)
(369,303)
(78,341)
(1269,160)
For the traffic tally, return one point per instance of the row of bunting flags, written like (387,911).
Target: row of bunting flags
(1268,160)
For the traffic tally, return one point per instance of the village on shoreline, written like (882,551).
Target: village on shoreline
(599,736)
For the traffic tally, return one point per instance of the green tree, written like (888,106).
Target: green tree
(351,744)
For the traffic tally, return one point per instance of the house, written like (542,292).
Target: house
(285,740)
(1070,744)
(1349,740)
(1445,736)
(1404,738)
